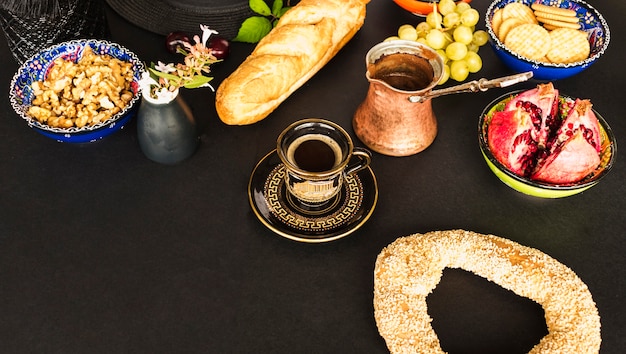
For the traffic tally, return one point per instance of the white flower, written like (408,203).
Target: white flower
(150,88)
(166,68)
(206,33)
(209,86)
(162,81)
(146,81)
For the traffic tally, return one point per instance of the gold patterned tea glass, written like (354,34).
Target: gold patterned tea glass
(317,155)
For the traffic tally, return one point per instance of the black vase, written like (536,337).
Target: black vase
(166,132)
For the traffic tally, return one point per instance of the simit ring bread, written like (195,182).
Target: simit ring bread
(411,267)
(304,40)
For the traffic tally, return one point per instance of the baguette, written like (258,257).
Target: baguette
(305,38)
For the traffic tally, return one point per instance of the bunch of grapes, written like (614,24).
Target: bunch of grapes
(450,30)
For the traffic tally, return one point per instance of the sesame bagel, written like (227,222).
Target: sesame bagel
(409,269)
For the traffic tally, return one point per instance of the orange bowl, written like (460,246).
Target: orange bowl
(419,8)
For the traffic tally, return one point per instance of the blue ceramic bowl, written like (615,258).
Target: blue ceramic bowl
(544,189)
(36,68)
(592,22)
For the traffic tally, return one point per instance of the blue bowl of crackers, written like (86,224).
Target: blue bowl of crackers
(78,91)
(553,39)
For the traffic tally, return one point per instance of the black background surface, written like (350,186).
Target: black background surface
(104,251)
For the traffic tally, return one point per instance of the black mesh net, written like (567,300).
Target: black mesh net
(29,33)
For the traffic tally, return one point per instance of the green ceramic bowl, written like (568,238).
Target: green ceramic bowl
(542,189)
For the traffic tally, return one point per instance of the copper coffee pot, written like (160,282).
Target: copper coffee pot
(396,118)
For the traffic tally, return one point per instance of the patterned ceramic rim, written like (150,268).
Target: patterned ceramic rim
(607,158)
(592,21)
(36,68)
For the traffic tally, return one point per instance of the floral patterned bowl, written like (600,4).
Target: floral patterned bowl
(36,68)
(591,22)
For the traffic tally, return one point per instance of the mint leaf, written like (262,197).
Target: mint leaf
(256,27)
(277,6)
(260,7)
(282,11)
(253,29)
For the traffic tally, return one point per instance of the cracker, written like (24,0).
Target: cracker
(553,10)
(568,46)
(550,27)
(529,40)
(556,23)
(496,21)
(519,11)
(551,16)
(507,25)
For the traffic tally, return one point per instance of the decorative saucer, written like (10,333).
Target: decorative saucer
(275,208)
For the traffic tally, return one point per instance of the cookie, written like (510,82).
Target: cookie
(568,46)
(558,24)
(529,40)
(519,11)
(496,21)
(553,10)
(556,17)
(506,27)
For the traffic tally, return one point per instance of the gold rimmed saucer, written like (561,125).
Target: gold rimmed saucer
(275,209)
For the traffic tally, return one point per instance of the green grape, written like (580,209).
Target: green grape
(456,51)
(462,7)
(459,70)
(436,39)
(446,6)
(480,38)
(451,32)
(434,19)
(422,29)
(407,32)
(392,38)
(451,20)
(463,34)
(470,17)
(443,55)
(445,75)
(474,62)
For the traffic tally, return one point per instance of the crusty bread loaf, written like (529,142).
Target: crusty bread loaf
(304,40)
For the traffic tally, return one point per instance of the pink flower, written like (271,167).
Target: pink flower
(189,74)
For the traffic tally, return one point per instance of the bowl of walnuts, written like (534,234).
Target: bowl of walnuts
(78,91)
(553,39)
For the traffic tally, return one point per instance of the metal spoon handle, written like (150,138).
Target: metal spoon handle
(475,86)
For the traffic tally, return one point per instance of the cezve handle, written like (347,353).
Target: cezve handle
(475,86)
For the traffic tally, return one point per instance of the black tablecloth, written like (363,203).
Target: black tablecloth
(105,251)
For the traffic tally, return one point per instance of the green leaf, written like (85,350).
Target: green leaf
(277,6)
(253,29)
(260,7)
(162,74)
(197,81)
(282,11)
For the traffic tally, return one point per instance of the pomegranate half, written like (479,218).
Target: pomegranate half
(547,141)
